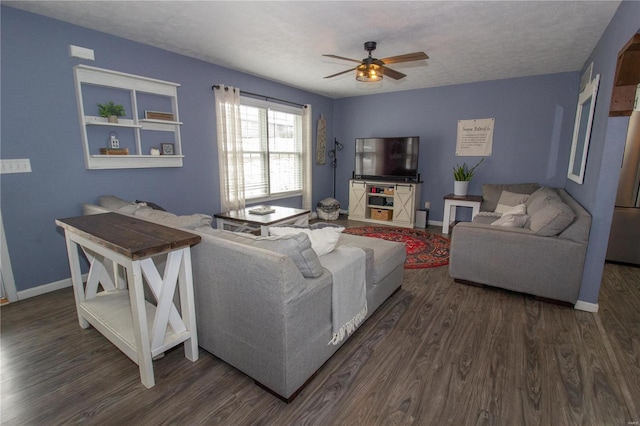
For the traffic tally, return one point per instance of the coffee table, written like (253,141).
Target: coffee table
(243,221)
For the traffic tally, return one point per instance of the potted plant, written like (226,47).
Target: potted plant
(111,111)
(462,175)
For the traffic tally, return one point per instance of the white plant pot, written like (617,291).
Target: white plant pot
(460,188)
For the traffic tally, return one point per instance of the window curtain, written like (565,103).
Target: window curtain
(307,146)
(230,156)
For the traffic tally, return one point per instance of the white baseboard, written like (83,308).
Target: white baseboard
(47,288)
(586,306)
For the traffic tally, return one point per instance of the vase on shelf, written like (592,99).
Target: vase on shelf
(460,188)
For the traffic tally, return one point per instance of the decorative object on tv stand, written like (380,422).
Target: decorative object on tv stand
(111,111)
(337,146)
(462,175)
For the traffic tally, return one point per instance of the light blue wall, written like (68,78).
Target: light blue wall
(534,118)
(598,192)
(531,142)
(40,122)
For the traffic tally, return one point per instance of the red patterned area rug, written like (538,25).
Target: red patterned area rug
(424,250)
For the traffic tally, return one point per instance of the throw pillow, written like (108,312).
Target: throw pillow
(169,219)
(491,193)
(512,220)
(510,199)
(540,198)
(519,209)
(551,219)
(323,240)
(296,246)
(150,204)
(112,202)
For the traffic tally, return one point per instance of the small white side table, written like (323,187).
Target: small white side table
(138,328)
(452,202)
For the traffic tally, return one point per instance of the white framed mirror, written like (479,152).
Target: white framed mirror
(582,130)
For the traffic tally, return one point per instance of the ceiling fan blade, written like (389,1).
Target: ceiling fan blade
(343,72)
(343,58)
(416,56)
(388,72)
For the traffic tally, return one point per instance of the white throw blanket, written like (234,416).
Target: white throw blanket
(349,294)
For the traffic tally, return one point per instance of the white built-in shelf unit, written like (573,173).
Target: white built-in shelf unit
(142,133)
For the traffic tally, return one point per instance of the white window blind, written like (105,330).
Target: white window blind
(272,147)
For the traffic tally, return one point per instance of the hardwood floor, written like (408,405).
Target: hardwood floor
(436,353)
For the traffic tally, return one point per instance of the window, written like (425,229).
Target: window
(272,148)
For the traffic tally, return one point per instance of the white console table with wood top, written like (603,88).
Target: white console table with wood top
(138,328)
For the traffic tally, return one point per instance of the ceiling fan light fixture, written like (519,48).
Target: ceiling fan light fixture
(369,73)
(371,69)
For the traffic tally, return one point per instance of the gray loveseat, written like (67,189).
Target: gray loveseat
(254,307)
(544,257)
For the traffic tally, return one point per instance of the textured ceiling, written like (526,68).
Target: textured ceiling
(283,41)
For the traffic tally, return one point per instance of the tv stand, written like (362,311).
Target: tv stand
(395,204)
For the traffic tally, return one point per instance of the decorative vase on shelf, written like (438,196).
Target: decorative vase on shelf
(460,188)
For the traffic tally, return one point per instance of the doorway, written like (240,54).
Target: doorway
(624,115)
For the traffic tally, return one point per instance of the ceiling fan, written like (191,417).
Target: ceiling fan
(372,69)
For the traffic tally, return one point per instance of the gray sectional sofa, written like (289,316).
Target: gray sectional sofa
(540,252)
(256,309)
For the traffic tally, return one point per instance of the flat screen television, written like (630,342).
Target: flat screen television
(387,158)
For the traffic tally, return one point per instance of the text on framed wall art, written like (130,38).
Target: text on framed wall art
(475,137)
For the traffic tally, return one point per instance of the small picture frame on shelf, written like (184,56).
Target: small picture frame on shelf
(157,115)
(167,149)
